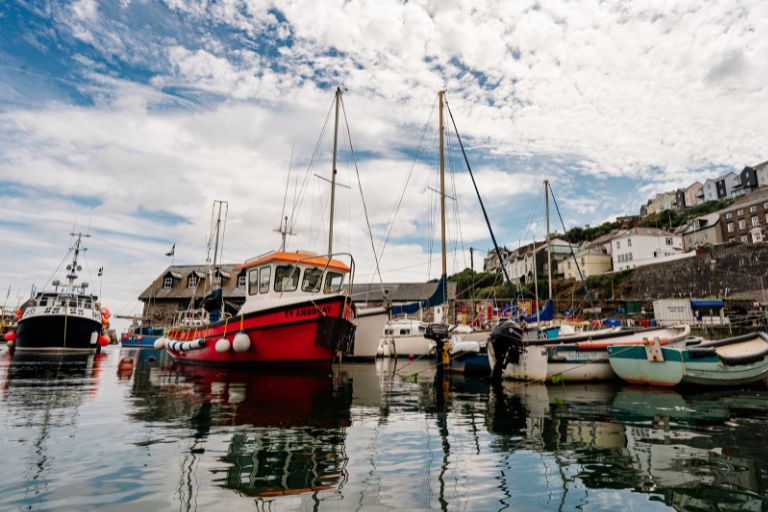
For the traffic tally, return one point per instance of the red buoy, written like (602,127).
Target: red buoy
(10,336)
(410,357)
(104,340)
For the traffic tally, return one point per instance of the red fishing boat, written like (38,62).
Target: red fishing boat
(296,309)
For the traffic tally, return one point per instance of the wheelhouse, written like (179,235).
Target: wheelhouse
(285,276)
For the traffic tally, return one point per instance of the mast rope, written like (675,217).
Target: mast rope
(480,199)
(362,196)
(297,202)
(573,255)
(407,181)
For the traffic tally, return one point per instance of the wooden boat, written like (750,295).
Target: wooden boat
(729,362)
(572,359)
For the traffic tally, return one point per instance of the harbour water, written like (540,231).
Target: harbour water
(77,433)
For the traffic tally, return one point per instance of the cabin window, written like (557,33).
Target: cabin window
(264,276)
(44,301)
(87,304)
(333,281)
(405,332)
(253,282)
(73,303)
(241,281)
(286,278)
(313,277)
(168,283)
(388,332)
(192,282)
(217,282)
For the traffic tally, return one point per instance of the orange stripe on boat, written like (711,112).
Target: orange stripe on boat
(304,258)
(602,345)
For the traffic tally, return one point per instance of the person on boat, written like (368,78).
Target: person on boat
(521,323)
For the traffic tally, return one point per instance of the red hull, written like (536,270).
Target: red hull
(306,332)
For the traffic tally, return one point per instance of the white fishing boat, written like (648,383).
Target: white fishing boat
(571,359)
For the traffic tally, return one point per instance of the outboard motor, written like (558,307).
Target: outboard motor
(440,334)
(507,344)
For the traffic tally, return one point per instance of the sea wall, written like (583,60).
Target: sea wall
(719,271)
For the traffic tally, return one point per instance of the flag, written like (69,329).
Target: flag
(172,251)
(101,271)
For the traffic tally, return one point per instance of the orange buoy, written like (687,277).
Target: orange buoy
(10,337)
(125,364)
(104,340)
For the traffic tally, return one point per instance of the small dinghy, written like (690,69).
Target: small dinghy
(729,362)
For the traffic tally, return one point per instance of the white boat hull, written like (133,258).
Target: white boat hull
(370,326)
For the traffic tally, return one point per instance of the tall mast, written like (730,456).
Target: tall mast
(216,244)
(549,249)
(536,281)
(72,268)
(333,175)
(440,96)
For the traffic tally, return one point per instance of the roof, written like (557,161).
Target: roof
(711,219)
(643,232)
(179,290)
(304,258)
(398,292)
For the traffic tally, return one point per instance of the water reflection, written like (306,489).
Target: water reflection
(87,435)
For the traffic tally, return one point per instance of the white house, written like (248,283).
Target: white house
(644,246)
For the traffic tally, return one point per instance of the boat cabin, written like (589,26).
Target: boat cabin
(280,277)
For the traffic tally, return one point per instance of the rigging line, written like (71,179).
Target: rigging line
(477,191)
(405,186)
(287,182)
(573,254)
(456,205)
(362,196)
(312,161)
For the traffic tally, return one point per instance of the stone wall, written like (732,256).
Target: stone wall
(720,271)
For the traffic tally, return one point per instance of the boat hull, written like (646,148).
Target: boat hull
(54,333)
(370,326)
(580,359)
(680,366)
(298,333)
(406,346)
(146,341)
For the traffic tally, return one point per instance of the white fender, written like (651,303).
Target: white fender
(242,342)
(222,345)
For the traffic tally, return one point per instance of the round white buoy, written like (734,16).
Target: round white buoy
(242,342)
(222,345)
(160,342)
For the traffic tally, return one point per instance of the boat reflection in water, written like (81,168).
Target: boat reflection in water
(688,451)
(287,429)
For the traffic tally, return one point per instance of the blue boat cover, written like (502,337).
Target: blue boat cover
(707,303)
(612,322)
(545,315)
(440,296)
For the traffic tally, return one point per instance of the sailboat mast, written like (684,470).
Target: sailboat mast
(549,247)
(216,244)
(536,282)
(333,174)
(442,183)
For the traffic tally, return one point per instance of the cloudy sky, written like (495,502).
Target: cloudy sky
(128,118)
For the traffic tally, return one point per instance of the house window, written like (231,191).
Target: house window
(241,281)
(743,239)
(168,283)
(217,282)
(730,226)
(742,224)
(264,275)
(755,221)
(629,242)
(669,240)
(753,209)
(757,236)
(729,215)
(312,279)
(618,244)
(192,283)
(740,212)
